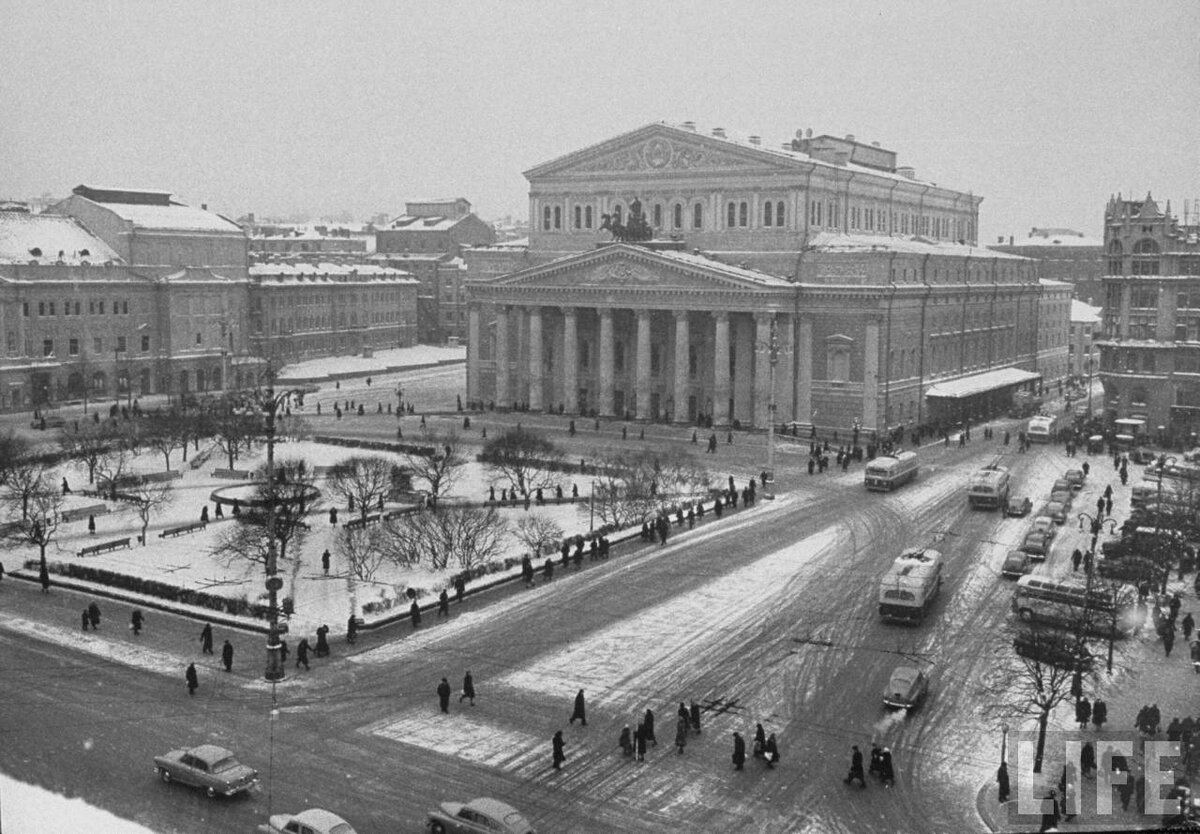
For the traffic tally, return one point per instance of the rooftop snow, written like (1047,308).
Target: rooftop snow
(1058,237)
(21,232)
(1084,313)
(175,216)
(717,266)
(419,223)
(327,270)
(845,243)
(980,383)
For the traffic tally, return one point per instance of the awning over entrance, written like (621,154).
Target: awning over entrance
(969,386)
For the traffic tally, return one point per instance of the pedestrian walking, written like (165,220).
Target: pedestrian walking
(1002,781)
(94,615)
(580,710)
(1168,641)
(91,525)
(302,649)
(468,690)
(760,741)
(443,693)
(227,656)
(648,723)
(1051,817)
(639,742)
(84,620)
(323,641)
(135,621)
(681,732)
(739,751)
(527,570)
(443,604)
(856,767)
(559,755)
(1076,558)
(414,614)
(771,750)
(1188,623)
(325,561)
(1099,714)
(351,629)
(1083,712)
(283,651)
(193,680)
(625,742)
(887,772)
(548,570)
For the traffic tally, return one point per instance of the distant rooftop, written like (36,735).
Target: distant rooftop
(844,243)
(1084,313)
(49,238)
(1053,237)
(155,210)
(296,272)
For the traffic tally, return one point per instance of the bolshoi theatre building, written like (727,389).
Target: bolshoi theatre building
(700,277)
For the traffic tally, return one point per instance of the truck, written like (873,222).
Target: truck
(988,487)
(1041,429)
(910,586)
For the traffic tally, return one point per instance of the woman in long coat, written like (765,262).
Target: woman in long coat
(682,725)
(559,755)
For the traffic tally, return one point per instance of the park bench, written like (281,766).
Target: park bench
(104,547)
(235,474)
(172,532)
(80,513)
(361,522)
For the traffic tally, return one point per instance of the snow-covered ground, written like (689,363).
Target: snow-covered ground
(28,809)
(381,362)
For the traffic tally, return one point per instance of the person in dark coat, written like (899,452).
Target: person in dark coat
(681,732)
(639,742)
(193,681)
(227,656)
(1087,759)
(771,750)
(302,654)
(856,768)
(351,629)
(84,620)
(414,613)
(695,710)
(1099,714)
(1187,623)
(443,693)
(580,710)
(468,690)
(527,570)
(1002,781)
(887,771)
(323,641)
(443,604)
(683,713)
(283,651)
(548,570)
(760,741)
(44,579)
(135,621)
(876,766)
(206,639)
(91,525)
(739,751)
(625,742)
(559,755)
(325,561)
(333,515)
(1083,712)
(648,723)
(94,615)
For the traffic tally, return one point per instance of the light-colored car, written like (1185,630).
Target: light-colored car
(906,688)
(479,816)
(1044,524)
(1063,496)
(1036,544)
(1057,510)
(209,767)
(1018,505)
(1016,564)
(312,821)
(1075,478)
(1060,485)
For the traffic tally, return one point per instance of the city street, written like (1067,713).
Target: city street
(767,617)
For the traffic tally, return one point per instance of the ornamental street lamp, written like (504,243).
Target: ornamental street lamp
(773,351)
(1096,525)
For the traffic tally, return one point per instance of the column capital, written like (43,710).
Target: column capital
(764,316)
(721,315)
(643,314)
(568,311)
(604,312)
(681,315)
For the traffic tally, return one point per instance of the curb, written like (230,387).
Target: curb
(389,369)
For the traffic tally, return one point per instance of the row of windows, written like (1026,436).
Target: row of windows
(50,308)
(73,345)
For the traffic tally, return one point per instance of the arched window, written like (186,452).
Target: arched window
(768,213)
(578,217)
(678,216)
(1145,246)
(546,219)
(587,217)
(731,219)
(779,215)
(744,214)
(1115,248)
(616,212)
(658,215)
(558,217)
(698,216)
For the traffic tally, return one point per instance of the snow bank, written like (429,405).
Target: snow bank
(27,809)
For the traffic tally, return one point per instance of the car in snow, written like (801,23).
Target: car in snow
(1063,496)
(1045,524)
(1060,485)
(209,767)
(1057,510)
(1016,564)
(1018,505)
(1053,649)
(479,816)
(1074,477)
(906,687)
(1036,544)
(312,821)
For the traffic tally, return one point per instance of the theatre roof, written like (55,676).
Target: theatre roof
(26,238)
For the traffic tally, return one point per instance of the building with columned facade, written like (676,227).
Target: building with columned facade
(819,279)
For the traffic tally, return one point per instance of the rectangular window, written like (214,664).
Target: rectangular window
(98,344)
(41,308)
(73,347)
(48,347)
(125,307)
(25,308)
(78,307)
(145,343)
(101,308)
(52,308)
(199,338)
(11,342)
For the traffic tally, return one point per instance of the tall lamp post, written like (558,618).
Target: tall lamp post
(773,351)
(1162,464)
(1095,525)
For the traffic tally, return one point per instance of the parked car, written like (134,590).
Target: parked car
(1057,510)
(1075,478)
(312,821)
(1063,496)
(1053,648)
(906,688)
(1044,524)
(1018,505)
(1142,456)
(1061,485)
(1016,564)
(479,816)
(1036,544)
(209,767)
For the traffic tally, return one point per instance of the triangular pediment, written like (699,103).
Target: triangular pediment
(662,148)
(633,268)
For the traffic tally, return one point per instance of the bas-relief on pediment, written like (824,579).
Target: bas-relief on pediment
(624,274)
(662,154)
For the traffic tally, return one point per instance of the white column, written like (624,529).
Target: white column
(605,403)
(804,370)
(762,369)
(503,396)
(642,382)
(870,404)
(682,365)
(570,361)
(472,355)
(721,369)
(535,359)
(785,379)
(743,376)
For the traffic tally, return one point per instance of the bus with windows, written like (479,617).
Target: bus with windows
(1041,429)
(910,586)
(885,473)
(1067,604)
(988,488)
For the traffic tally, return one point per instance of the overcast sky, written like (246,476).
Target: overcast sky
(1043,108)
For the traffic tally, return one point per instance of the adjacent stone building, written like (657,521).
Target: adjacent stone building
(1063,255)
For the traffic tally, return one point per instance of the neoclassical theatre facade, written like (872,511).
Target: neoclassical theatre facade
(750,296)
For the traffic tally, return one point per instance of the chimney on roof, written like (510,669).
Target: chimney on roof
(907,172)
(808,133)
(787,146)
(719,132)
(690,126)
(755,140)
(849,137)
(1010,240)
(204,207)
(875,145)
(1000,239)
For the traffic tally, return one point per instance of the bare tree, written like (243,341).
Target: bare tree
(22,482)
(465,534)
(363,481)
(249,539)
(524,458)
(441,468)
(163,433)
(147,499)
(234,428)
(625,487)
(538,533)
(91,445)
(40,516)
(13,450)
(360,547)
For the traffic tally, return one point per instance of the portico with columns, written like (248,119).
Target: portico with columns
(626,331)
